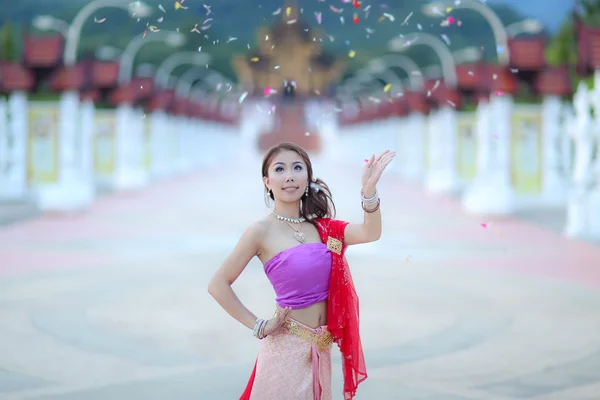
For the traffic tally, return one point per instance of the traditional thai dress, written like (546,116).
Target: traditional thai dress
(296,365)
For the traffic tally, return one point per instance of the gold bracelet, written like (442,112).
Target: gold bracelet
(373,210)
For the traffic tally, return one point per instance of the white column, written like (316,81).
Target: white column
(594,198)
(554,184)
(86,136)
(72,190)
(129,168)
(579,128)
(415,146)
(491,191)
(13,147)
(442,176)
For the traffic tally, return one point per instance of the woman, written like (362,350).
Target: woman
(302,249)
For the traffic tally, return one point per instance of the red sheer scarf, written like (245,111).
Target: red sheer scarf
(342,310)
(342,306)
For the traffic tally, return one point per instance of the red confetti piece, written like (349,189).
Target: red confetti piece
(356,3)
(355,19)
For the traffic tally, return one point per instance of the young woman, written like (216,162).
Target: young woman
(302,249)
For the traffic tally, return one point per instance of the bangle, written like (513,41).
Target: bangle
(370,201)
(259,328)
(369,211)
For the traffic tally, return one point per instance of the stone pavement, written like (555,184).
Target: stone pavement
(113,303)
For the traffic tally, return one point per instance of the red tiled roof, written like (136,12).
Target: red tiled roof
(14,76)
(554,81)
(43,51)
(527,54)
(105,74)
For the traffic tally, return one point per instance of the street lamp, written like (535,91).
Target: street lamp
(529,25)
(194,75)
(171,39)
(401,44)
(500,34)
(415,76)
(107,53)
(72,31)
(166,68)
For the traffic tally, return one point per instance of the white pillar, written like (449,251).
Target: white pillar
(442,176)
(579,127)
(72,190)
(129,166)
(415,141)
(13,147)
(86,137)
(554,184)
(491,191)
(594,198)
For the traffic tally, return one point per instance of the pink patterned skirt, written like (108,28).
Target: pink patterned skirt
(295,365)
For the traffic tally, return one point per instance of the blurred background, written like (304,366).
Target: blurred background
(131,136)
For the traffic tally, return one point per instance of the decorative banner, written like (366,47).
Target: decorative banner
(526,150)
(466,157)
(42,143)
(147,143)
(104,143)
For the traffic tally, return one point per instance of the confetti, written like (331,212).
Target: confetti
(355,19)
(307,134)
(162,8)
(405,22)
(484,225)
(99,21)
(195,29)
(420,27)
(446,39)
(342,20)
(336,10)
(277,12)
(514,70)
(499,93)
(471,73)
(319,17)
(351,53)
(242,97)
(291,21)
(370,31)
(269,91)
(389,16)
(451,103)
(288,11)
(178,5)
(356,3)
(231,39)
(387,88)
(160,19)
(451,20)
(200,48)
(153,28)
(207,8)
(254,59)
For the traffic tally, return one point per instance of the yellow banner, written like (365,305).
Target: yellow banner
(466,149)
(43,158)
(526,150)
(105,146)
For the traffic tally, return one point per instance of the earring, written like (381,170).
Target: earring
(270,192)
(306,191)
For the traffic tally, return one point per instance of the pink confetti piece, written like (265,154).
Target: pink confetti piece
(319,17)
(451,20)
(499,93)
(269,91)
(484,225)
(336,10)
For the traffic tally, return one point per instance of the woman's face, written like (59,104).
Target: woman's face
(287,176)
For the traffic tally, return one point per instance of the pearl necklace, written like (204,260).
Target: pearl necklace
(286,219)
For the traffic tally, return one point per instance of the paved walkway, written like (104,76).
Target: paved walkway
(112,304)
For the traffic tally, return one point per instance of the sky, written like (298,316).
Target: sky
(550,12)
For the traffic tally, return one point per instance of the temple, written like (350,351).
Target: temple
(289,51)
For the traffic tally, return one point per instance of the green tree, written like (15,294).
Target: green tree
(7,42)
(562,49)
(590,10)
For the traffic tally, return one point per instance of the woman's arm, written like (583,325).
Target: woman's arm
(220,285)
(370,230)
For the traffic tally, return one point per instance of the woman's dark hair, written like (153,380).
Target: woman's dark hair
(318,203)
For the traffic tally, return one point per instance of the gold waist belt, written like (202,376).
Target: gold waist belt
(321,340)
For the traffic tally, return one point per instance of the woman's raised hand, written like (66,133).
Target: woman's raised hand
(374,167)
(275,324)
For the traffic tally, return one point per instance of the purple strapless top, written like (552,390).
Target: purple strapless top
(300,275)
